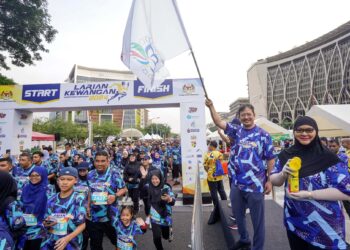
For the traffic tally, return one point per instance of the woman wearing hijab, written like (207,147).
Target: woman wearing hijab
(10,211)
(161,199)
(313,216)
(132,175)
(34,200)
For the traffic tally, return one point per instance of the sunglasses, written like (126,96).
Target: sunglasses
(306,130)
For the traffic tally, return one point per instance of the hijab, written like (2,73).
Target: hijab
(156,191)
(8,191)
(34,196)
(315,157)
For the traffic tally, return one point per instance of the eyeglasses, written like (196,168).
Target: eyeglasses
(306,130)
(34,175)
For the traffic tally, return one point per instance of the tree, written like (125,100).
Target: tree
(105,129)
(6,81)
(158,128)
(24,28)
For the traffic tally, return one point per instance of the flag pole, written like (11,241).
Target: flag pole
(199,73)
(189,45)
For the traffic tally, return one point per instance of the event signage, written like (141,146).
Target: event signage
(163,90)
(39,93)
(104,91)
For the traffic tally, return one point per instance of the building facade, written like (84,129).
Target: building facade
(287,85)
(234,106)
(120,117)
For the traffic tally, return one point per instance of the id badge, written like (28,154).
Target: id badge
(99,198)
(62,224)
(30,219)
(155,215)
(125,243)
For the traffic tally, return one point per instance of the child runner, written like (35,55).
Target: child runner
(161,198)
(127,227)
(10,211)
(65,214)
(34,200)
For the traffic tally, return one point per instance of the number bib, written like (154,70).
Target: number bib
(125,243)
(62,224)
(30,220)
(155,215)
(81,189)
(99,198)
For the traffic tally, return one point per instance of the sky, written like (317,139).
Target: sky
(227,37)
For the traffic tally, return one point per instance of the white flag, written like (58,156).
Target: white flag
(153,34)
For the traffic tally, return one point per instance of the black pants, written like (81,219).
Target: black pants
(176,170)
(297,243)
(96,231)
(347,207)
(85,239)
(147,206)
(159,231)
(32,244)
(134,194)
(216,187)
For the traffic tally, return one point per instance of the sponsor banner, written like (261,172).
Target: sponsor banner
(188,88)
(22,131)
(41,93)
(164,90)
(193,145)
(10,93)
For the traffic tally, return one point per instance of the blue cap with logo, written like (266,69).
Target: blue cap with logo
(83,165)
(69,171)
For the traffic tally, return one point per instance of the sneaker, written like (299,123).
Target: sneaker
(233,227)
(241,246)
(171,234)
(232,218)
(148,221)
(229,204)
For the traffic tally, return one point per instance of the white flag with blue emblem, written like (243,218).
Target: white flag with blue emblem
(153,34)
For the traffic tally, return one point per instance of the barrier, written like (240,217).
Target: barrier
(197,216)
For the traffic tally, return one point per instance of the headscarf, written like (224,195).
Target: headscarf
(8,191)
(156,190)
(34,197)
(315,157)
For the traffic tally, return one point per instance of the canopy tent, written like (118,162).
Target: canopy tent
(270,127)
(332,120)
(214,136)
(36,136)
(131,132)
(147,137)
(156,137)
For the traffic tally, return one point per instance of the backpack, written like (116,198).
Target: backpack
(219,170)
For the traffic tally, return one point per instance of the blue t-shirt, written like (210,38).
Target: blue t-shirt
(321,223)
(176,155)
(21,176)
(102,185)
(69,212)
(253,147)
(126,235)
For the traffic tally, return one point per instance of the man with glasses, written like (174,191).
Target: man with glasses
(253,163)
(22,171)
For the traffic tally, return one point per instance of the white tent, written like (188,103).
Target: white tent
(332,120)
(131,132)
(270,127)
(214,136)
(147,137)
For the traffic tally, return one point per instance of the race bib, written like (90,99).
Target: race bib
(125,243)
(99,198)
(155,215)
(30,220)
(62,224)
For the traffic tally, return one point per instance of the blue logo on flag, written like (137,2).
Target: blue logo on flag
(165,89)
(41,92)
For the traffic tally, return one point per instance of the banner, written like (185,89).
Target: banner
(193,145)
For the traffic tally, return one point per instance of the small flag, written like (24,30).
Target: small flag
(153,34)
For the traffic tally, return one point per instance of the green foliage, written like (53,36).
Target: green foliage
(158,128)
(24,29)
(6,81)
(67,130)
(105,129)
